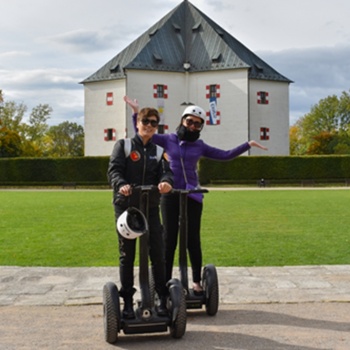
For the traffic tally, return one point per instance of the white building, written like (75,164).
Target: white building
(183,59)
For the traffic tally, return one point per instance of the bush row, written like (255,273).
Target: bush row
(93,170)
(54,171)
(279,169)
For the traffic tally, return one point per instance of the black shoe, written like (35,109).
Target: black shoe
(161,308)
(128,311)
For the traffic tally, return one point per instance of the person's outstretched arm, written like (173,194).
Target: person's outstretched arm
(253,143)
(135,109)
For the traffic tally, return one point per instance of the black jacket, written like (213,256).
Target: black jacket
(141,167)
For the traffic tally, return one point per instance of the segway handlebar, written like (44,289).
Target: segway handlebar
(144,188)
(193,190)
(150,190)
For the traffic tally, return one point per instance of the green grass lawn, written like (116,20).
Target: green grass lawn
(239,228)
(276,228)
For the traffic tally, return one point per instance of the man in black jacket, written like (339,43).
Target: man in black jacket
(140,165)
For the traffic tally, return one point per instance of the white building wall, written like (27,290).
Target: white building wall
(99,116)
(232,105)
(140,86)
(240,115)
(274,116)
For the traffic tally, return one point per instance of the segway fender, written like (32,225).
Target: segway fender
(211,287)
(175,291)
(211,277)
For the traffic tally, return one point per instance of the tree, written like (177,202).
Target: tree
(37,122)
(10,143)
(36,138)
(11,115)
(34,133)
(325,129)
(296,144)
(65,140)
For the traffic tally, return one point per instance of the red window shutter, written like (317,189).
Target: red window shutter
(109,98)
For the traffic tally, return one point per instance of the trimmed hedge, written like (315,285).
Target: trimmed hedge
(54,171)
(279,168)
(91,171)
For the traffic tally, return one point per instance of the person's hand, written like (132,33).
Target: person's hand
(253,143)
(164,187)
(132,103)
(125,190)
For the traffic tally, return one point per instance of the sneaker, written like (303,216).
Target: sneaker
(197,288)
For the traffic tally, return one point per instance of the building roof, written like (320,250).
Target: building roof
(186,39)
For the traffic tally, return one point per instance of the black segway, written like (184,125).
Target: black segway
(146,319)
(210,295)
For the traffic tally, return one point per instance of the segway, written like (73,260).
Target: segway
(146,319)
(210,295)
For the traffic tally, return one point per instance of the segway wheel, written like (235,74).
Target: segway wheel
(211,289)
(111,312)
(178,309)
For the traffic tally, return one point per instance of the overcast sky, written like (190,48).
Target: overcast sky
(47,46)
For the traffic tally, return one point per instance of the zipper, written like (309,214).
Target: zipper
(144,165)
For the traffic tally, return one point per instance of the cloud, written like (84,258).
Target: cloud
(37,79)
(58,88)
(66,104)
(314,67)
(13,54)
(47,48)
(84,40)
(316,73)
(8,58)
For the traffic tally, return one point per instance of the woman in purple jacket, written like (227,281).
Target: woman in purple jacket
(184,149)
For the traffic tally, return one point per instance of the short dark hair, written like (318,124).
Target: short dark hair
(148,112)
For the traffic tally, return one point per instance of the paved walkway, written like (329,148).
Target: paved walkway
(237,285)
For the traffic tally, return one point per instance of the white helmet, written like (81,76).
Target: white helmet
(195,111)
(132,223)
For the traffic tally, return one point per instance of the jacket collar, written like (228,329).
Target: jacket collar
(138,140)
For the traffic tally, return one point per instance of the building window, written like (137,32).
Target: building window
(110,135)
(264,133)
(109,98)
(213,91)
(263,97)
(160,91)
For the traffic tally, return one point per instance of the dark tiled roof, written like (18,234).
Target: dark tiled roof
(186,34)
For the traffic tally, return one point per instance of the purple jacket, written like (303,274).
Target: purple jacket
(191,152)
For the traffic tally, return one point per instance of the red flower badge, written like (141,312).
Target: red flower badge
(135,156)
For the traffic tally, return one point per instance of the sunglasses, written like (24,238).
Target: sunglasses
(190,122)
(154,123)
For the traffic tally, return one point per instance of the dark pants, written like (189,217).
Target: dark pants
(170,213)
(127,248)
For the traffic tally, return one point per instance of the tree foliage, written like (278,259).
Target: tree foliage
(10,143)
(66,140)
(36,138)
(325,129)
